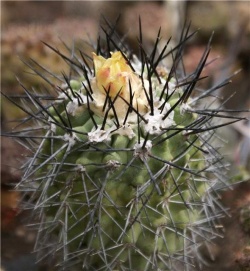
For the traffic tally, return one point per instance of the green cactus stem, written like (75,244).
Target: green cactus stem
(124,174)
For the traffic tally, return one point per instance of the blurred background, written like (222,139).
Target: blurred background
(24,24)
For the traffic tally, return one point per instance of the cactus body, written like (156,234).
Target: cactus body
(124,173)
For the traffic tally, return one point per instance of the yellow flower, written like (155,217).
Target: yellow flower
(113,75)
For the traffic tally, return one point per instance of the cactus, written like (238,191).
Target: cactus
(123,173)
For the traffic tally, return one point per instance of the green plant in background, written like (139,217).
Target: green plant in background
(123,173)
